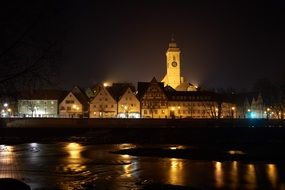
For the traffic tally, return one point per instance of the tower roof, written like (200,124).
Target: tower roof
(173,45)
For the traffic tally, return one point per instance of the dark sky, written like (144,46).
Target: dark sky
(223,43)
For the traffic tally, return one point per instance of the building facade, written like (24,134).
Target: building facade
(74,105)
(103,105)
(39,103)
(153,100)
(128,105)
(199,104)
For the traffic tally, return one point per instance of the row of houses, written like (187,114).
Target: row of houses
(149,100)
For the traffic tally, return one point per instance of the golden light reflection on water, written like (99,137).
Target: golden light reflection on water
(128,170)
(75,159)
(272,174)
(177,147)
(234,174)
(126,146)
(250,176)
(219,177)
(176,171)
(8,163)
(6,154)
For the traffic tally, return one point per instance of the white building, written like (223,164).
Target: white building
(74,105)
(39,103)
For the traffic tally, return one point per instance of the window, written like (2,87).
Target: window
(62,108)
(112,106)
(106,99)
(144,111)
(52,102)
(69,101)
(68,108)
(94,106)
(106,106)
(155,111)
(132,105)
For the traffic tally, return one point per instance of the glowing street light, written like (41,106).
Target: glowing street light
(105,84)
(5,105)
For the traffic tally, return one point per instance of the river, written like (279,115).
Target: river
(72,165)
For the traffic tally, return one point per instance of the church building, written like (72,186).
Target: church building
(173,76)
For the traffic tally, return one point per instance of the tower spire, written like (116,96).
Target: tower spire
(172,43)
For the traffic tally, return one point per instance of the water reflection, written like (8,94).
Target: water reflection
(8,162)
(126,146)
(219,177)
(272,174)
(250,176)
(75,160)
(176,172)
(76,165)
(6,154)
(234,175)
(130,165)
(177,147)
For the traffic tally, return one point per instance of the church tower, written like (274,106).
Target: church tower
(172,77)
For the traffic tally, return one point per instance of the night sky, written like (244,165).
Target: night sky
(223,44)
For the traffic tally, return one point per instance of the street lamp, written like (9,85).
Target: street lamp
(233,110)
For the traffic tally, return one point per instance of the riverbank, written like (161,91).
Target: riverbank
(154,135)
(134,123)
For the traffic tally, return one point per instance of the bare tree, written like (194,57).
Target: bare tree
(30,46)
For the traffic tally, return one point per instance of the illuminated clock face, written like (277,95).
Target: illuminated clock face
(174,64)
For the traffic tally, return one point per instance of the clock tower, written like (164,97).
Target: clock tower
(172,77)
